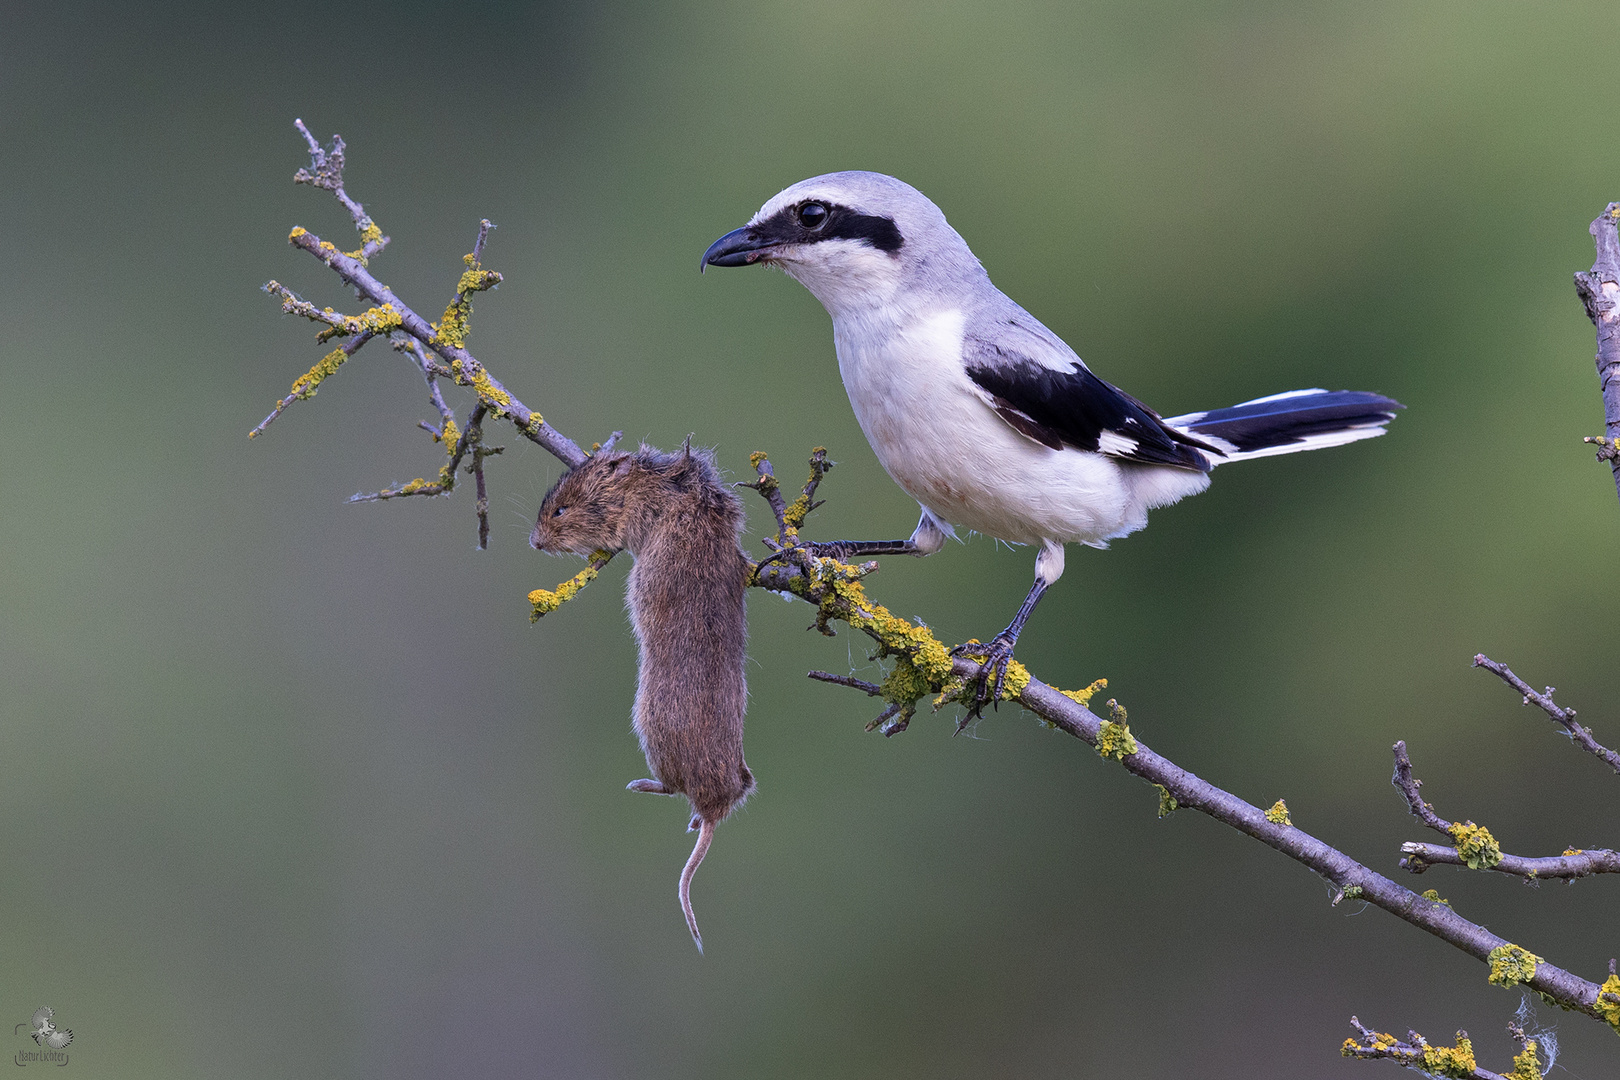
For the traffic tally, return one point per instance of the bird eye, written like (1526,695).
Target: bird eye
(812,215)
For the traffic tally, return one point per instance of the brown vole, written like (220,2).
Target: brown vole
(678,519)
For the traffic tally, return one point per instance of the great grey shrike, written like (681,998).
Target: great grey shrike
(982,414)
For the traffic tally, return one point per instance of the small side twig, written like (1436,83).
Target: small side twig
(1569,866)
(1456,1061)
(870,689)
(1599,290)
(1473,845)
(349,348)
(884,719)
(1561,716)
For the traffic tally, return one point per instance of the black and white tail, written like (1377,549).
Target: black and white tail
(1286,423)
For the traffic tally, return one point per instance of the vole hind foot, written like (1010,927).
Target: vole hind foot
(651,787)
(695,824)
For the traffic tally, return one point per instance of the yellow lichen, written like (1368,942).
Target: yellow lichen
(796,512)
(489,391)
(1083,697)
(1511,965)
(1278,814)
(1476,846)
(1167,801)
(545,601)
(1526,1066)
(304,386)
(923,665)
(1431,894)
(369,232)
(450,435)
(533,426)
(1574,851)
(296,233)
(1608,1001)
(1349,892)
(1114,738)
(1454,1061)
(453,330)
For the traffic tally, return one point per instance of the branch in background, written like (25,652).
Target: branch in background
(1599,290)
(1560,715)
(1449,1061)
(413,334)
(1474,846)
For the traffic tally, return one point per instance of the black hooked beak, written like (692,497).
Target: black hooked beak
(736,248)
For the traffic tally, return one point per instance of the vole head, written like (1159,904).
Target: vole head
(588,508)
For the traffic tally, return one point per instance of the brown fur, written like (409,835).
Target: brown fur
(682,524)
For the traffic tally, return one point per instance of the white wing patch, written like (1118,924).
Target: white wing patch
(1115,444)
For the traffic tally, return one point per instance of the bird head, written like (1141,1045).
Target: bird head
(854,239)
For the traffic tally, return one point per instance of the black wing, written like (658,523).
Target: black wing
(1075,408)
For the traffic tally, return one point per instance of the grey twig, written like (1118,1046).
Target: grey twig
(465,367)
(1599,290)
(1474,847)
(326,172)
(1415,1052)
(350,347)
(1561,716)
(1408,786)
(771,488)
(870,689)
(1576,864)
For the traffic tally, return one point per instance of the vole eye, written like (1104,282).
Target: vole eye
(812,215)
(557,513)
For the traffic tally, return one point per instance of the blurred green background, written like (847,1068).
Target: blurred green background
(293,788)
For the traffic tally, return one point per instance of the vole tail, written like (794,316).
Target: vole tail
(705,835)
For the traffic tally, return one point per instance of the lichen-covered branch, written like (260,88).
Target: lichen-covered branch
(1455,1062)
(1599,290)
(924,668)
(1573,863)
(1561,716)
(410,333)
(1473,845)
(1435,917)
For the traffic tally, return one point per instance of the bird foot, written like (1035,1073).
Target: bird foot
(991,679)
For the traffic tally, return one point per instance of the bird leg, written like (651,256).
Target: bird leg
(928,538)
(845,550)
(998,652)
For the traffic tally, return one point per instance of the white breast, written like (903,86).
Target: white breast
(942,443)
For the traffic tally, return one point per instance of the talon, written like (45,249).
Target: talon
(991,679)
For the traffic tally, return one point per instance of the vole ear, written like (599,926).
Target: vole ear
(620,466)
(686,448)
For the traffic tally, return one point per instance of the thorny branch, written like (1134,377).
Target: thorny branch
(923,666)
